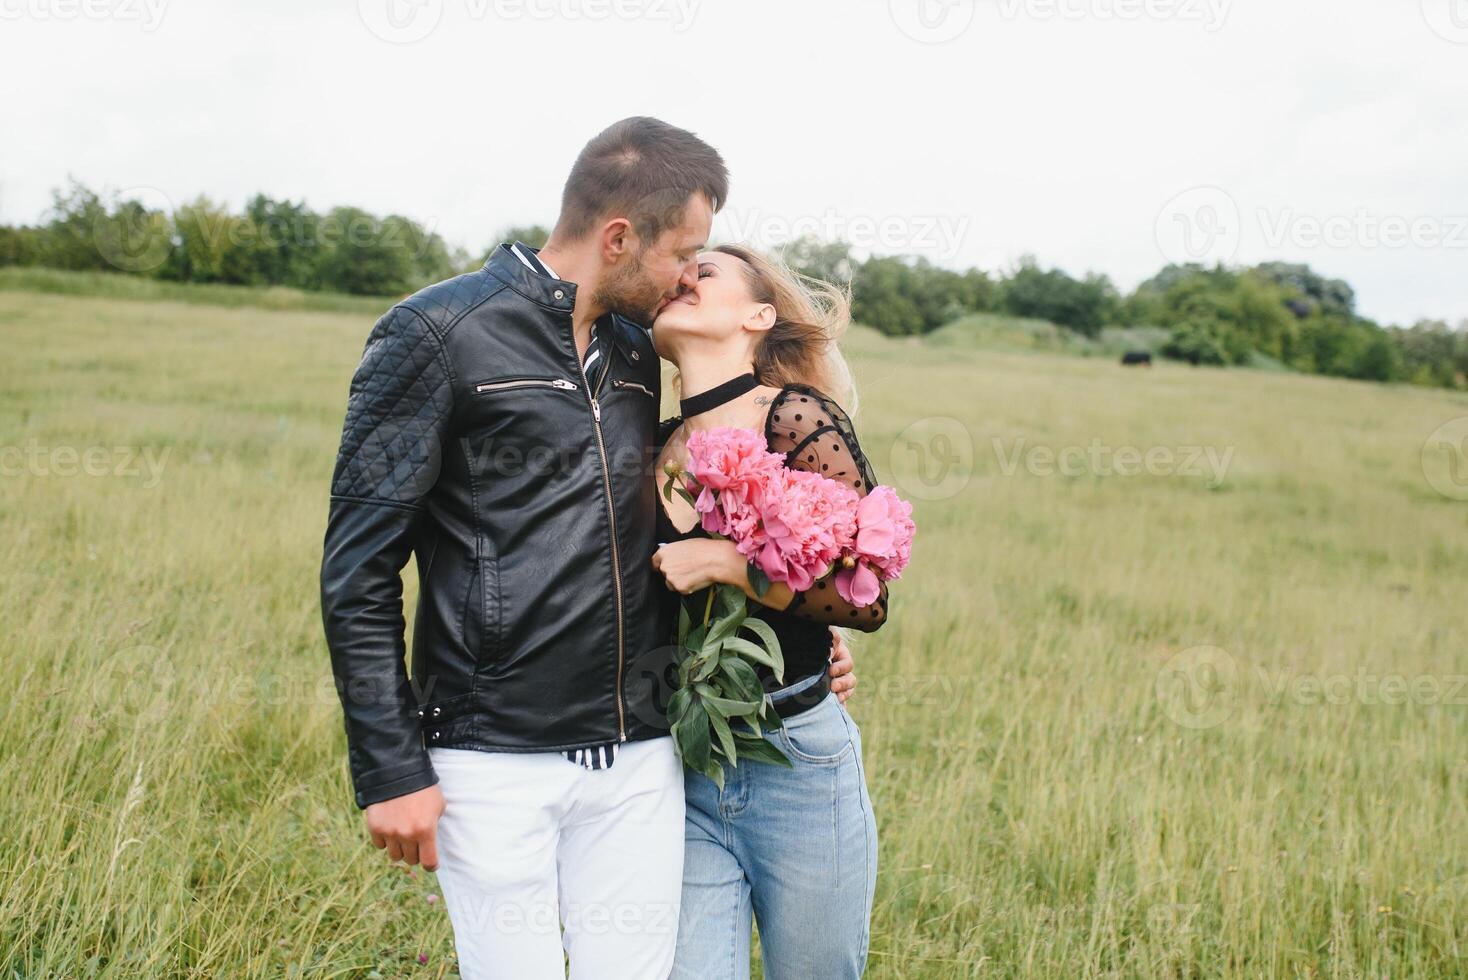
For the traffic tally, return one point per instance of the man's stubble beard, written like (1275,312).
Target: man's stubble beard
(628,293)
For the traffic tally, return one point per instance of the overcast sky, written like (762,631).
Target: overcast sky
(1106,135)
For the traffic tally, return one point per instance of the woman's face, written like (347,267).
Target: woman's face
(717,308)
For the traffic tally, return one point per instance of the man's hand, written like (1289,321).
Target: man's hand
(408,826)
(843,676)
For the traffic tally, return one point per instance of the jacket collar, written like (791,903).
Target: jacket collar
(506,266)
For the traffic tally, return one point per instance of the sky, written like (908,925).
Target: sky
(1111,136)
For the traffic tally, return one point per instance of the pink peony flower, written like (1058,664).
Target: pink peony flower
(795,524)
(883,546)
(809,521)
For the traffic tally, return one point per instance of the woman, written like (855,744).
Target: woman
(794,849)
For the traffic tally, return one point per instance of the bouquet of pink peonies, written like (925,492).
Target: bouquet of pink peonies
(794,527)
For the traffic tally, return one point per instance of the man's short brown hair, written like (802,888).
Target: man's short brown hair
(642,169)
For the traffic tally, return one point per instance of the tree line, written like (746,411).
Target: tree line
(1270,314)
(1273,314)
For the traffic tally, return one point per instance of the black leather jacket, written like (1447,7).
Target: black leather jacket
(473,443)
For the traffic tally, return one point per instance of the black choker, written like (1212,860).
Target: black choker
(714,397)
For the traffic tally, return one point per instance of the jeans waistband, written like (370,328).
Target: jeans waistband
(804,693)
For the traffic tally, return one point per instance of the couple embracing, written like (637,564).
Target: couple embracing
(503,430)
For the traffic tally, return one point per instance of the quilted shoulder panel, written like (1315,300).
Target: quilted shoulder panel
(397,414)
(443,303)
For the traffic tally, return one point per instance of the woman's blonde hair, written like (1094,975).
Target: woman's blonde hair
(810,317)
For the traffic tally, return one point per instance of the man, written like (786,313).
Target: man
(498,429)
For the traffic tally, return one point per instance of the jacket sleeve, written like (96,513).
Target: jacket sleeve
(392,443)
(815,434)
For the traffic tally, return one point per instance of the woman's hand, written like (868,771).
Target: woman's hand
(843,676)
(697,563)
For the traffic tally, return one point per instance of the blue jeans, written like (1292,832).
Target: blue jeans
(794,849)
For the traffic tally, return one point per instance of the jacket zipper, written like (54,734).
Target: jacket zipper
(526,383)
(633,385)
(591,397)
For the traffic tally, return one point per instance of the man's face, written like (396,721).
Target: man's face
(641,285)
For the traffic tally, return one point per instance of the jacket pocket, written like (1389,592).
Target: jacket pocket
(511,384)
(481,611)
(621,385)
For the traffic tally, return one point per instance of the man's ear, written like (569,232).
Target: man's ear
(762,319)
(617,240)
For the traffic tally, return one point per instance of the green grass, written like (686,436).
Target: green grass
(114,285)
(1068,782)
(998,331)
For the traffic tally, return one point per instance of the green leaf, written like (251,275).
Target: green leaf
(758,580)
(732,600)
(726,625)
(678,704)
(731,708)
(683,492)
(692,737)
(668,488)
(695,639)
(764,751)
(771,718)
(704,666)
(771,642)
(714,771)
(685,623)
(758,654)
(704,692)
(743,681)
(726,737)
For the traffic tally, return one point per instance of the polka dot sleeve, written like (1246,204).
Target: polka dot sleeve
(814,433)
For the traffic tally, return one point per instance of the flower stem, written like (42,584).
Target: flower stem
(708,607)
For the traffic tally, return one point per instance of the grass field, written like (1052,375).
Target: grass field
(1205,720)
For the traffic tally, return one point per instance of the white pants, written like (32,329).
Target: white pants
(529,842)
